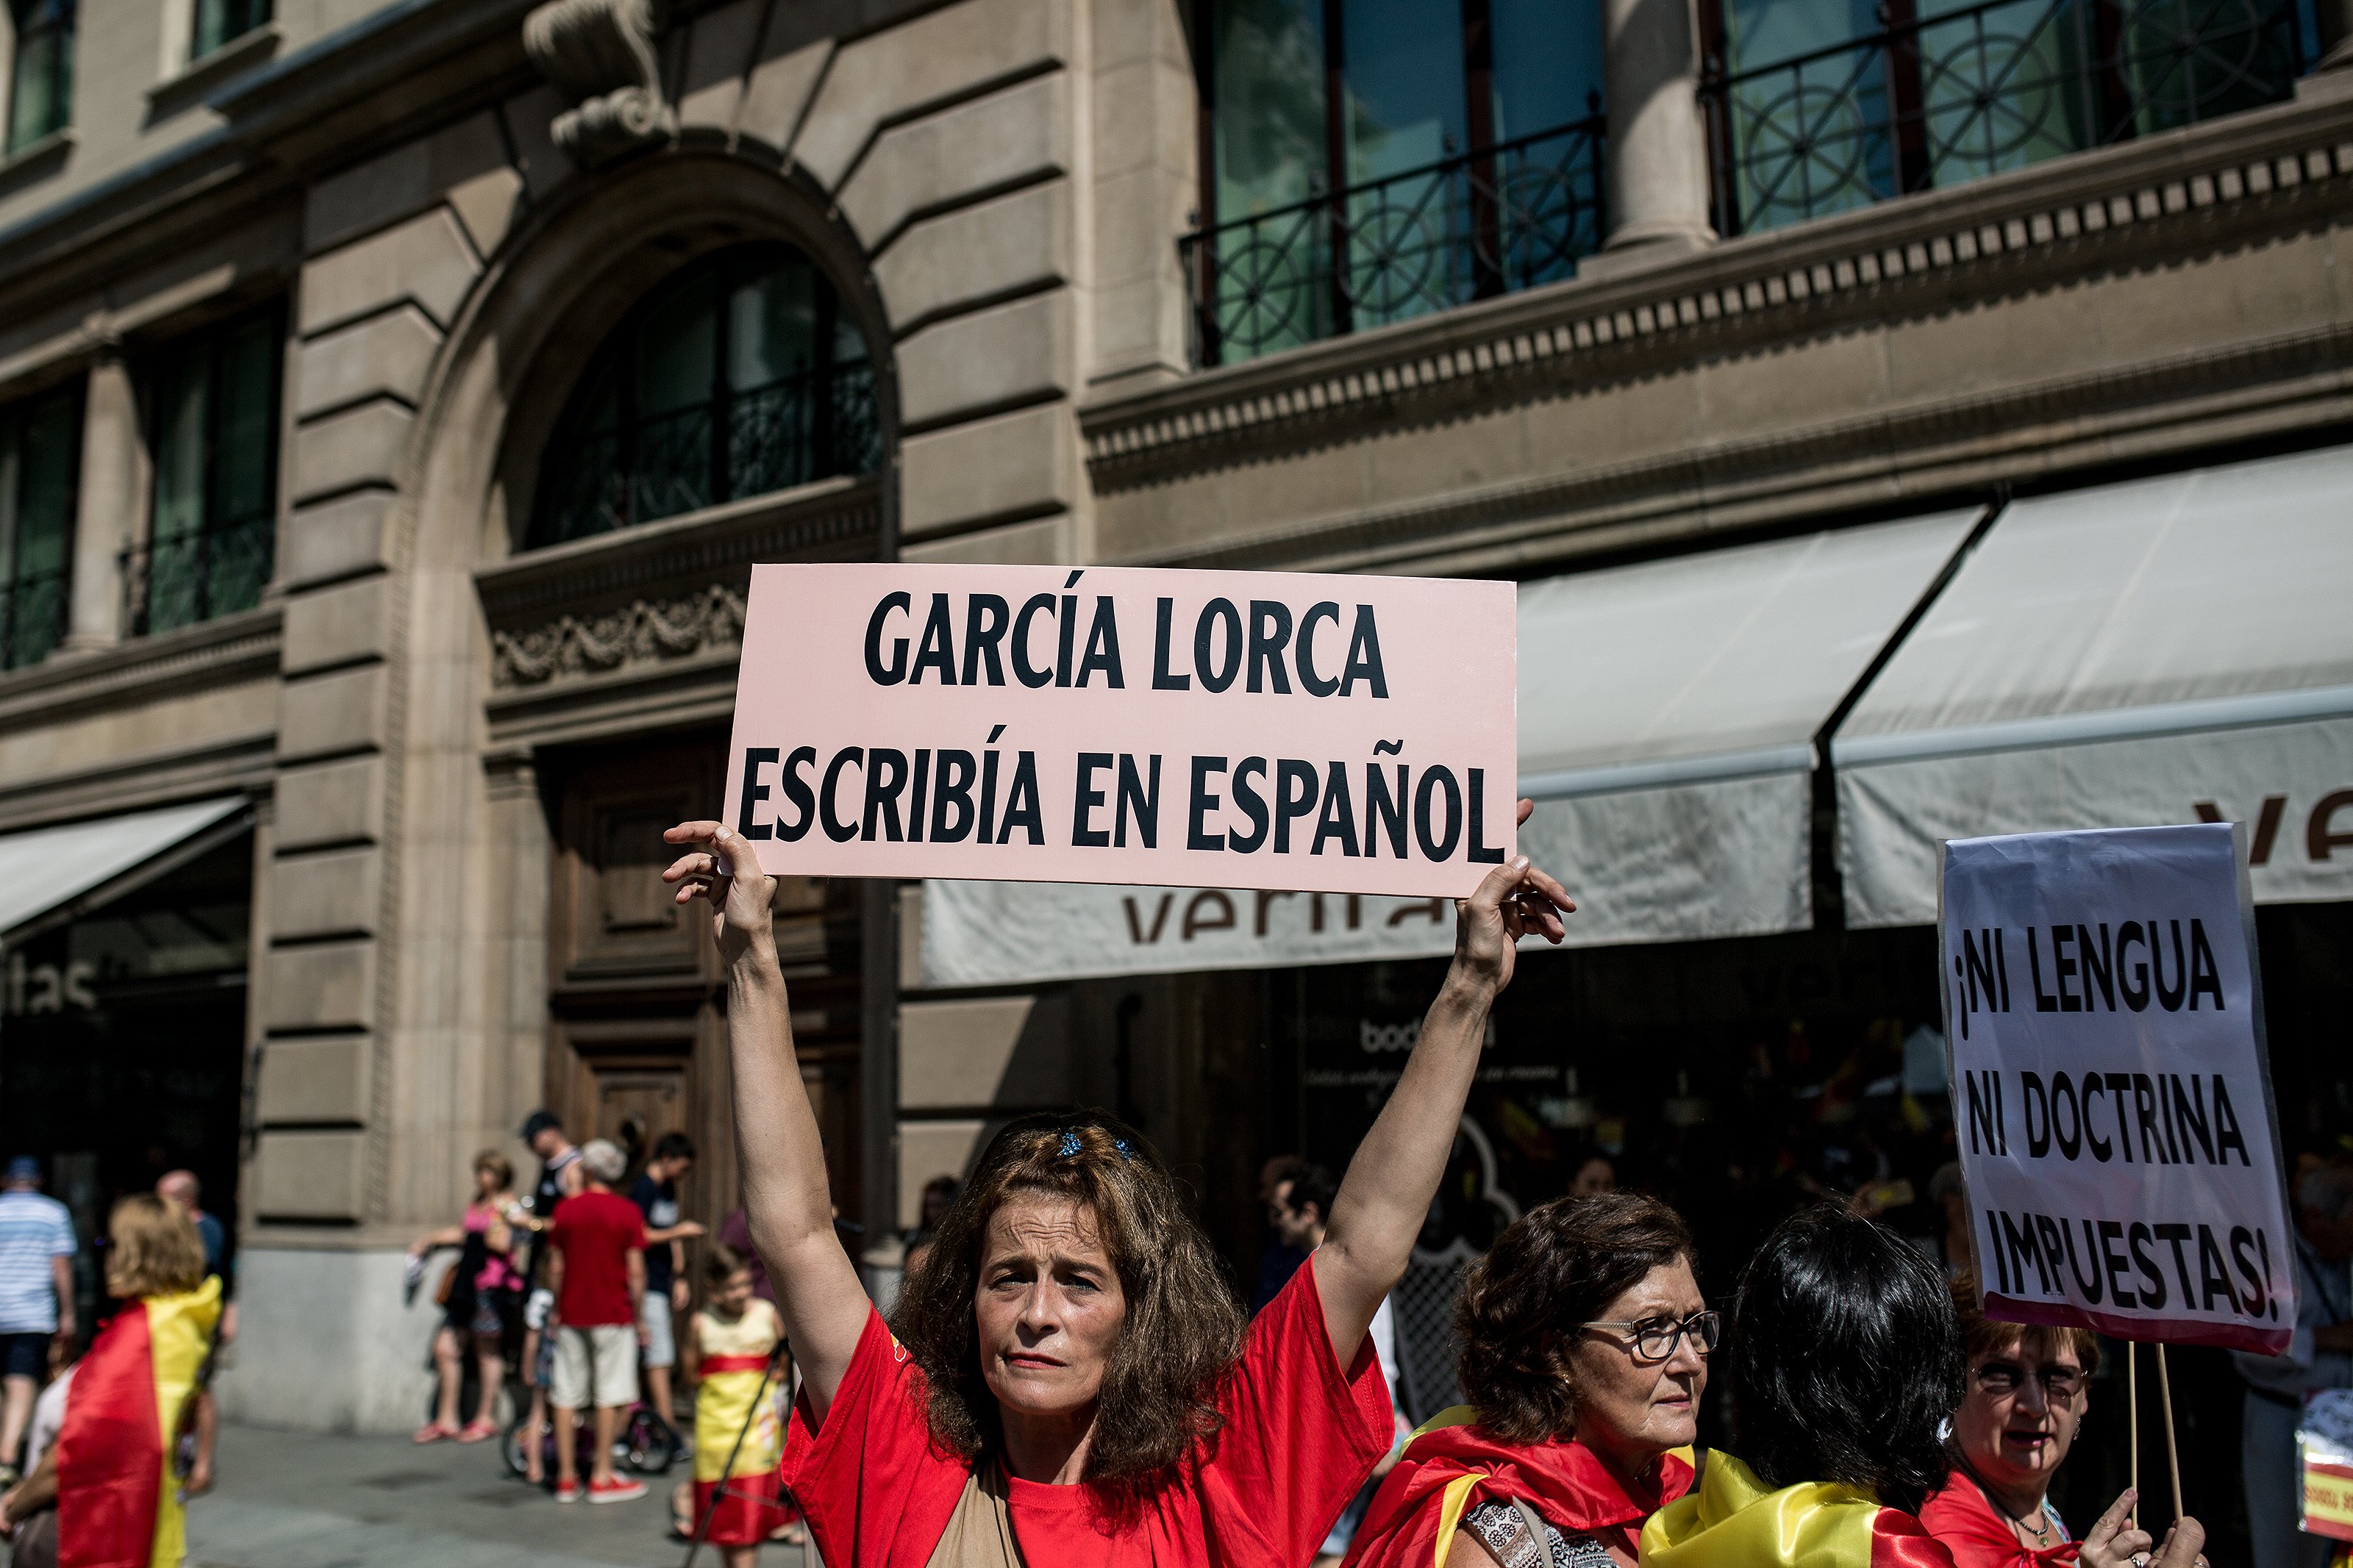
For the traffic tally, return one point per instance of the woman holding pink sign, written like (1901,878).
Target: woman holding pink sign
(1071,1381)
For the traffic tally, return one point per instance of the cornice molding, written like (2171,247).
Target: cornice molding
(600,55)
(2120,206)
(2280,387)
(644,631)
(236,647)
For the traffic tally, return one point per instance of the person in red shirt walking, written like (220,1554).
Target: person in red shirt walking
(1074,1382)
(597,1269)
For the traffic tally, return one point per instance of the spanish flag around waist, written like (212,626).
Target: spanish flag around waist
(1733,1521)
(118,1501)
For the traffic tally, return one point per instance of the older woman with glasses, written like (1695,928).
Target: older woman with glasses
(1584,1351)
(2028,1389)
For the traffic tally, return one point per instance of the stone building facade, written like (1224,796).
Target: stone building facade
(346,525)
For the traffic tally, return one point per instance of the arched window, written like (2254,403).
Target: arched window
(737,377)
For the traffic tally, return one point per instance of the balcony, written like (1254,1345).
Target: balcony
(185,578)
(1480,224)
(32,610)
(1930,101)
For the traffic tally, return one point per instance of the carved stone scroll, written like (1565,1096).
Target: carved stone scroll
(600,55)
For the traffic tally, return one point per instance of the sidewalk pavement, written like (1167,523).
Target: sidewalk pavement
(297,1499)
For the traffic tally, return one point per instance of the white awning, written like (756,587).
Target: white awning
(2160,651)
(44,870)
(1667,712)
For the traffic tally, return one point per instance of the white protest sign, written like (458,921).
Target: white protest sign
(1261,730)
(2104,1014)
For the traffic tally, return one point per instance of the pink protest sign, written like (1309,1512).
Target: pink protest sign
(1215,729)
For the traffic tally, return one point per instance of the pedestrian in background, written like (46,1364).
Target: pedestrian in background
(559,1178)
(1584,1352)
(478,1302)
(36,1299)
(1281,1260)
(655,1192)
(109,1471)
(596,1266)
(1301,1217)
(2319,1355)
(181,1189)
(738,1495)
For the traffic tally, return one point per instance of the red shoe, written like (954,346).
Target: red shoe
(567,1491)
(433,1432)
(479,1431)
(614,1490)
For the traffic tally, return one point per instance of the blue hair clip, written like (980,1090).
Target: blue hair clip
(1125,1151)
(1070,1145)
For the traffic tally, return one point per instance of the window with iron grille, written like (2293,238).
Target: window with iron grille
(40,77)
(1370,161)
(40,465)
(219,21)
(213,539)
(1819,106)
(739,376)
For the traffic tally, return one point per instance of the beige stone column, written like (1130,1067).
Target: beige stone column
(114,498)
(1657,154)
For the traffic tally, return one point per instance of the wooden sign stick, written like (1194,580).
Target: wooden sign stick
(2172,1453)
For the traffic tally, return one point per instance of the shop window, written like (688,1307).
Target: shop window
(215,535)
(1819,108)
(738,377)
(40,458)
(222,22)
(40,78)
(1376,160)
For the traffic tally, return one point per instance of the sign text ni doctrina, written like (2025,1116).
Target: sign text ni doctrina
(1212,729)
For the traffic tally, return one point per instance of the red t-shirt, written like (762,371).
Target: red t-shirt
(1300,1437)
(597,1231)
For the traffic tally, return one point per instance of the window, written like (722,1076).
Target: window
(1824,105)
(737,377)
(221,22)
(40,460)
(1375,159)
(215,537)
(40,85)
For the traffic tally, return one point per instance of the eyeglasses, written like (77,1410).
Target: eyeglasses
(2001,1378)
(1656,1339)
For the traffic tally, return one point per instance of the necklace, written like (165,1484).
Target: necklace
(2040,1531)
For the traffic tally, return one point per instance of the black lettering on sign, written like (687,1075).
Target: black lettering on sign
(896,670)
(754,759)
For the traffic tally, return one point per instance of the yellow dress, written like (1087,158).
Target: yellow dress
(738,1441)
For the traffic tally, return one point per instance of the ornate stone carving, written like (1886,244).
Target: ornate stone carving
(645,632)
(600,55)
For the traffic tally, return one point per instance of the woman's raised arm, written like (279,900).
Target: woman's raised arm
(1385,1197)
(781,1161)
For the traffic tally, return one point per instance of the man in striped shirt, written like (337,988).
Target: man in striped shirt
(37,1297)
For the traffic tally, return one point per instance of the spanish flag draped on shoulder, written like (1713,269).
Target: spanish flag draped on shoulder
(1453,1464)
(118,1501)
(1733,1521)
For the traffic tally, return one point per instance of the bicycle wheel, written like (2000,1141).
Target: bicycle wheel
(514,1444)
(650,1446)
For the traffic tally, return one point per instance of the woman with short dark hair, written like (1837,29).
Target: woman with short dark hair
(1584,1345)
(1845,1362)
(1072,1382)
(2029,1388)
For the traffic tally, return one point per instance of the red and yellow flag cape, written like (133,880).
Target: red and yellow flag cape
(118,1501)
(1734,1521)
(1453,1464)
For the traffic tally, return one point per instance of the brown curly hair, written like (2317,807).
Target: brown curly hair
(1559,1264)
(1183,1329)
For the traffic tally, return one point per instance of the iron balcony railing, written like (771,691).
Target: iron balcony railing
(1482,223)
(33,611)
(1935,100)
(810,426)
(180,579)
